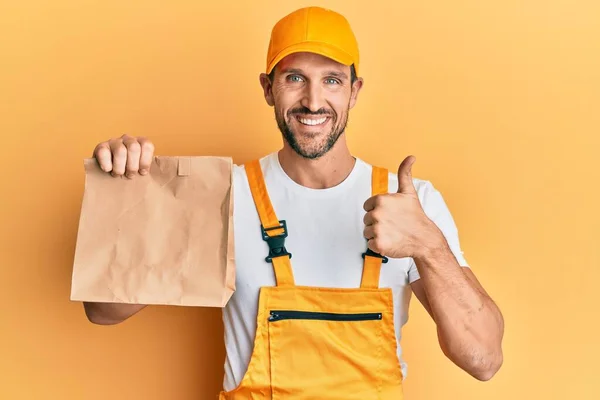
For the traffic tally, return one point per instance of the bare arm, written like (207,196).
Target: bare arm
(128,156)
(110,313)
(469,324)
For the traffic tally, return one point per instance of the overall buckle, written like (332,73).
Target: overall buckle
(371,253)
(276,243)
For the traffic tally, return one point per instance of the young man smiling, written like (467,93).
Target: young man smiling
(327,324)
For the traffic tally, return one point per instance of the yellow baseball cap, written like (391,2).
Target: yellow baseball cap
(314,30)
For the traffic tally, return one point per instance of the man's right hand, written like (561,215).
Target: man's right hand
(126,155)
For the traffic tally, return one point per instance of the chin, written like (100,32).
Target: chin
(311,151)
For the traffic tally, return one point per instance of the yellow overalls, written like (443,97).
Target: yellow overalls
(319,343)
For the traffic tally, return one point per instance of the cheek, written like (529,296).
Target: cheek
(284,100)
(340,101)
(340,111)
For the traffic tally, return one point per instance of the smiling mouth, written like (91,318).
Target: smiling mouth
(312,121)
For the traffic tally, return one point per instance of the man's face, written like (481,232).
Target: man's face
(312,96)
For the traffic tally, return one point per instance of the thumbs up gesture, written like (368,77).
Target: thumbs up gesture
(395,224)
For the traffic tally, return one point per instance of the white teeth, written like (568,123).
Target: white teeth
(307,121)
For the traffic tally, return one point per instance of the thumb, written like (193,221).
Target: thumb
(405,183)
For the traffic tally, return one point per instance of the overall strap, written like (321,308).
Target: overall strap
(373,261)
(273,231)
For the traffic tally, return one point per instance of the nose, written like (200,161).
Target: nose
(313,97)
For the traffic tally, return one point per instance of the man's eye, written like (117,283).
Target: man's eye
(331,81)
(294,78)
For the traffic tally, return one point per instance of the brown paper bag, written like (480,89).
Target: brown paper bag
(164,238)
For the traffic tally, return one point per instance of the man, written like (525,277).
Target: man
(327,323)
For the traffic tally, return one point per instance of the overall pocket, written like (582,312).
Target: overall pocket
(278,315)
(323,355)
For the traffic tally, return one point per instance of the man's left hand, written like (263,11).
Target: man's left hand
(395,224)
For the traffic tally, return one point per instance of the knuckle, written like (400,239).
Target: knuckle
(120,151)
(147,146)
(377,231)
(376,246)
(134,147)
(101,149)
(375,215)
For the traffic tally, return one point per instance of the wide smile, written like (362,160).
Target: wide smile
(312,121)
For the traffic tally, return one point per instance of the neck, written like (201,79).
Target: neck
(322,173)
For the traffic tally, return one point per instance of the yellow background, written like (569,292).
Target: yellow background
(499,101)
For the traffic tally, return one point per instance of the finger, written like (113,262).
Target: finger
(103,156)
(369,232)
(369,219)
(119,156)
(368,206)
(405,182)
(371,203)
(370,243)
(373,245)
(132,164)
(146,156)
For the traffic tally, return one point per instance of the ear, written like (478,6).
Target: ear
(267,86)
(356,86)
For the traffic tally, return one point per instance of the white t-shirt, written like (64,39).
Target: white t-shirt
(325,228)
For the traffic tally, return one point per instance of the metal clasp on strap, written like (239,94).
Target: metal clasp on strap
(371,253)
(276,243)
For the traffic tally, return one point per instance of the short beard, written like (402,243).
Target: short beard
(290,137)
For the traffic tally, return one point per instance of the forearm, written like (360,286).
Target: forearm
(470,326)
(110,313)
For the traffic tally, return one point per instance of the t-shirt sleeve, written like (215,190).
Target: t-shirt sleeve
(436,209)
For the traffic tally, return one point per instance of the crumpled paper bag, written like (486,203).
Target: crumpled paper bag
(164,238)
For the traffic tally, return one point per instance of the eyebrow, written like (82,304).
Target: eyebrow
(292,71)
(336,74)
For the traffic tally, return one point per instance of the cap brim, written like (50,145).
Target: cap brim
(320,48)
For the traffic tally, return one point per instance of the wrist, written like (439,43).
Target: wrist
(432,245)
